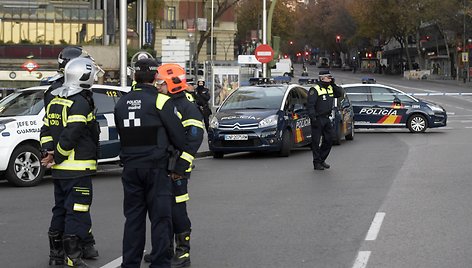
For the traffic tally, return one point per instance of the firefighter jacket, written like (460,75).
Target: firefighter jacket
(72,132)
(321,98)
(194,129)
(148,124)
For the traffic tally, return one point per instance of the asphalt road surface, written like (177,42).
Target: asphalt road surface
(391,199)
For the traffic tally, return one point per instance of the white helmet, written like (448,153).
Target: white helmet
(79,74)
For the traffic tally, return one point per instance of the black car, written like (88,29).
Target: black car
(269,118)
(342,115)
(381,106)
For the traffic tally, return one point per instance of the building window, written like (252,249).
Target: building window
(171,17)
(209,46)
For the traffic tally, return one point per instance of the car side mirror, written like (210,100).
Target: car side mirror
(397,101)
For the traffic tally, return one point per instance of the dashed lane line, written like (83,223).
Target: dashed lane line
(375,226)
(113,264)
(362,259)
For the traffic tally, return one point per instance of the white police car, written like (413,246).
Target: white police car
(21,118)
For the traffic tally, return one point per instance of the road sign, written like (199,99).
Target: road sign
(264,53)
(30,66)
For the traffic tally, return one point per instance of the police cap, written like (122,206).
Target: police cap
(324,73)
(146,65)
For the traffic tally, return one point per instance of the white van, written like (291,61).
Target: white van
(283,67)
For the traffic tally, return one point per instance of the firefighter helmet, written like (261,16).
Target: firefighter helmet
(174,76)
(68,53)
(80,72)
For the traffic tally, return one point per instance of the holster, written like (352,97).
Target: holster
(174,155)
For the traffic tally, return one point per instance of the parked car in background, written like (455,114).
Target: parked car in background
(283,67)
(382,106)
(261,117)
(21,118)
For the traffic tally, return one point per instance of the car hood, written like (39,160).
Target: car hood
(5,120)
(243,116)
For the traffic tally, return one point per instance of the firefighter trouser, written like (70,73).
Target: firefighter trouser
(147,191)
(71,211)
(180,219)
(321,130)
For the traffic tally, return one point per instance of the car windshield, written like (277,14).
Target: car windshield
(255,98)
(28,102)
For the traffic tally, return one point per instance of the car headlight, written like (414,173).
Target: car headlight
(269,121)
(214,122)
(435,108)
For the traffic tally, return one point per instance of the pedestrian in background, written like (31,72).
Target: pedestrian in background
(69,141)
(171,81)
(319,105)
(202,96)
(148,125)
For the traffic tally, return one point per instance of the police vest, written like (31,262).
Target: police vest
(323,91)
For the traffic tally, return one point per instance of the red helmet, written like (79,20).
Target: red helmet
(174,76)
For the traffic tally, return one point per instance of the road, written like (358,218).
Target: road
(391,199)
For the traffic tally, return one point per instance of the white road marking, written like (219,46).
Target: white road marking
(113,264)
(362,259)
(375,226)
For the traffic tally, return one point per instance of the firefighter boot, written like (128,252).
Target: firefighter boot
(182,250)
(56,252)
(73,252)
(88,248)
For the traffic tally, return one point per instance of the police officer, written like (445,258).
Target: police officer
(68,53)
(69,140)
(202,96)
(320,105)
(148,124)
(171,81)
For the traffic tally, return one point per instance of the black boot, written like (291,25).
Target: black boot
(56,251)
(318,166)
(182,250)
(73,252)
(88,248)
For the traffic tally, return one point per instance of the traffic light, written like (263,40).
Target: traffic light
(290,42)
(369,55)
(338,39)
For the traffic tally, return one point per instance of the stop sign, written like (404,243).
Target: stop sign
(264,53)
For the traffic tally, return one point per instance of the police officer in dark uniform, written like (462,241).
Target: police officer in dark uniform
(202,96)
(69,140)
(68,53)
(171,81)
(320,105)
(148,124)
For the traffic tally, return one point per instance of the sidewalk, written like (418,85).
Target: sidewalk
(204,151)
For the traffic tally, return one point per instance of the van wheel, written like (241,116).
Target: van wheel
(24,168)
(287,142)
(417,123)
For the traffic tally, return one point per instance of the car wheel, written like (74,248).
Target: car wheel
(287,142)
(417,123)
(350,136)
(218,154)
(24,168)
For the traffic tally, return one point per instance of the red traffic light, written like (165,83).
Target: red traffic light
(338,38)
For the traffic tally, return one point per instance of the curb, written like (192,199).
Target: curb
(203,154)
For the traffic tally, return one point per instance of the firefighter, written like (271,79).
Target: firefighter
(171,81)
(68,53)
(148,126)
(320,105)
(69,140)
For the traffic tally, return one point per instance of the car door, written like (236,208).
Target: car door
(105,100)
(362,105)
(296,110)
(387,108)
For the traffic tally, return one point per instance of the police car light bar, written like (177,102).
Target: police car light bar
(368,80)
(260,81)
(307,81)
(282,79)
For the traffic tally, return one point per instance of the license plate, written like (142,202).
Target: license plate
(236,137)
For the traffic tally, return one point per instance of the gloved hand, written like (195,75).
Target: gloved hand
(174,176)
